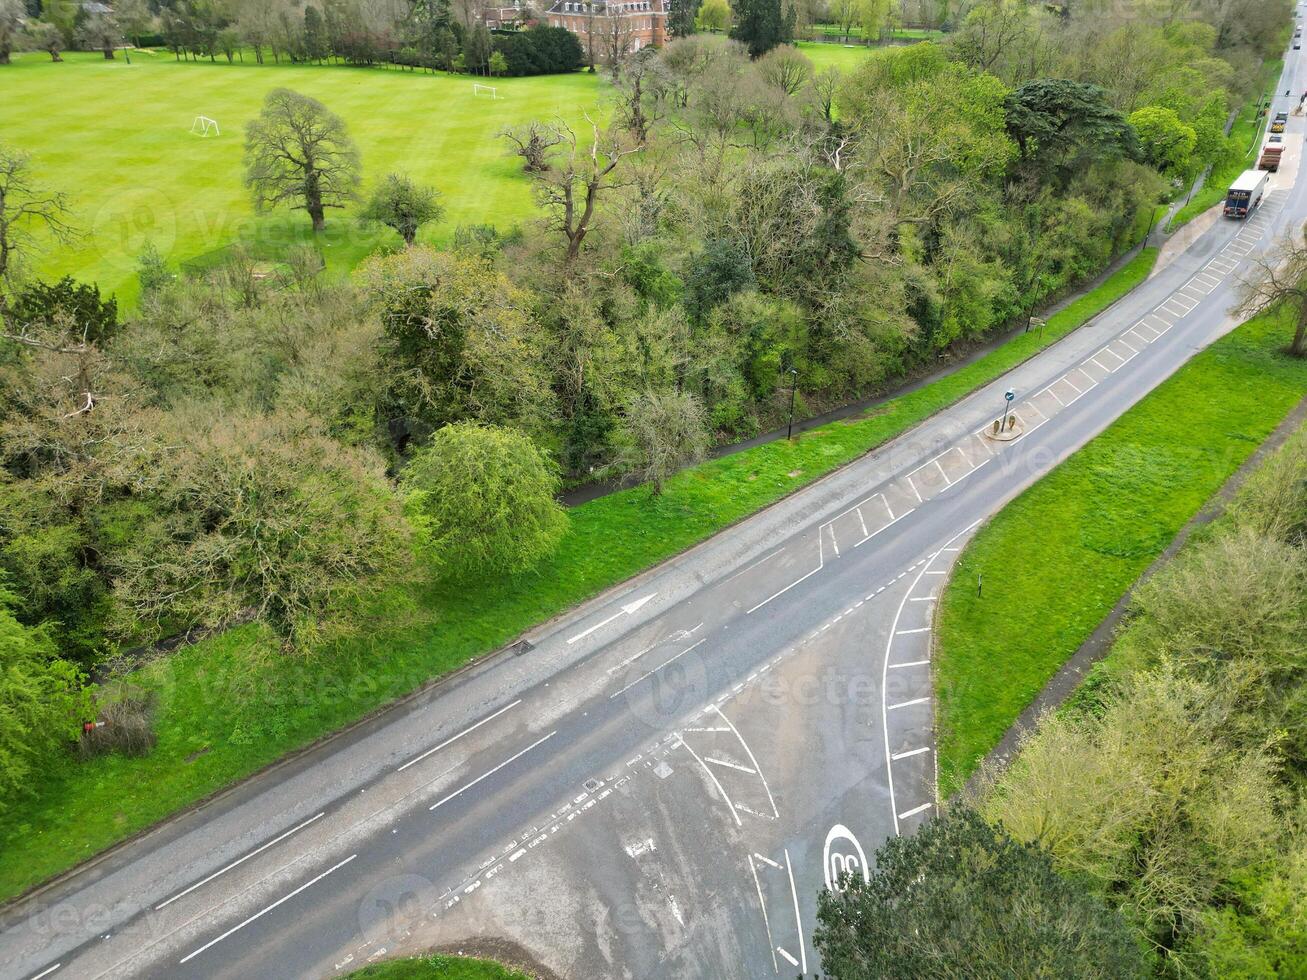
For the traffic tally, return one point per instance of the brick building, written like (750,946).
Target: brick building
(609,29)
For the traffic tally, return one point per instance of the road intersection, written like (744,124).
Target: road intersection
(658,784)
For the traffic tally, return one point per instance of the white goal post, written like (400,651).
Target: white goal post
(203,126)
(490,90)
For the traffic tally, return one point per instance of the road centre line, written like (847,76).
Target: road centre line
(485,775)
(239,860)
(915,810)
(257,915)
(455,738)
(655,670)
(46,972)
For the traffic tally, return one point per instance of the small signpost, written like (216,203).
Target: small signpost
(1007,407)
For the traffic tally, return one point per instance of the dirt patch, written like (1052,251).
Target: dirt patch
(503,951)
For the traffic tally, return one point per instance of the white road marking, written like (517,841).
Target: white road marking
(730,765)
(915,810)
(908,754)
(752,759)
(763,905)
(821,563)
(791,959)
(650,673)
(625,610)
(767,860)
(730,805)
(861,522)
(911,663)
(455,738)
(923,629)
(915,492)
(257,915)
(757,563)
(798,920)
(908,704)
(234,863)
(46,972)
(922,598)
(485,775)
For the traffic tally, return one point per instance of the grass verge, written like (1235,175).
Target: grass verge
(1062,554)
(1246,132)
(230,705)
(437,968)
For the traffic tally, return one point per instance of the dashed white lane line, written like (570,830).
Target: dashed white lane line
(915,810)
(790,959)
(455,738)
(46,972)
(908,754)
(760,561)
(241,860)
(908,704)
(257,915)
(650,673)
(486,775)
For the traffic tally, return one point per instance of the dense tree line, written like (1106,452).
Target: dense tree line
(265,443)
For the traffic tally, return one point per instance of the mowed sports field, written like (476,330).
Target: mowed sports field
(116,139)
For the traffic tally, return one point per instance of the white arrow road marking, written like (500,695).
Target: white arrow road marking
(626,610)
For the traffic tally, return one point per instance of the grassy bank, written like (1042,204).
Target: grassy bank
(1062,554)
(231,704)
(1246,132)
(437,968)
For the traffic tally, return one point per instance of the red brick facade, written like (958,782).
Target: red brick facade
(609,28)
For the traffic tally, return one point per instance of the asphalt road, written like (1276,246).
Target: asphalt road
(663,784)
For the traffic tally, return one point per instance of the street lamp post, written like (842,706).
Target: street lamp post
(794,384)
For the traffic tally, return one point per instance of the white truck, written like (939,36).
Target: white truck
(1245,193)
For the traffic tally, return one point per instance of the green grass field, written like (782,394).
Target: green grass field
(225,711)
(1057,559)
(116,138)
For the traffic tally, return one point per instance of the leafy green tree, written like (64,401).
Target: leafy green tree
(12,15)
(403,205)
(762,24)
(498,64)
(1059,124)
(100,30)
(1167,142)
(662,432)
(42,703)
(960,898)
(297,152)
(716,273)
(483,498)
(681,16)
(714,15)
(78,306)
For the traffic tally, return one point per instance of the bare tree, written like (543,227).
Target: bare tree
(12,15)
(643,85)
(100,31)
(24,208)
(570,189)
(297,152)
(533,142)
(785,68)
(1279,277)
